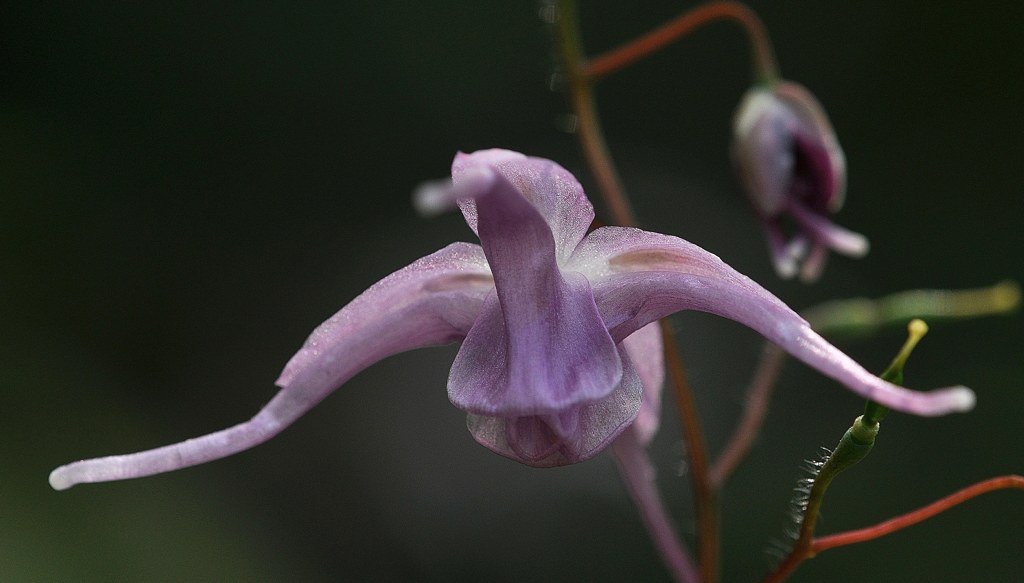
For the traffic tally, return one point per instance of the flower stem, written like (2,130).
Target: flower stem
(860,315)
(755,409)
(854,446)
(911,518)
(763,57)
(705,500)
(581,97)
(638,473)
(894,524)
(856,443)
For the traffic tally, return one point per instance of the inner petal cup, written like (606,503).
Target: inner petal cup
(570,437)
(540,346)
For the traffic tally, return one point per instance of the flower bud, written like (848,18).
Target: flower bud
(794,172)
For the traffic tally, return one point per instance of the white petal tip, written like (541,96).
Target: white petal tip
(856,246)
(785,267)
(437,196)
(961,399)
(787,260)
(59,479)
(845,242)
(433,198)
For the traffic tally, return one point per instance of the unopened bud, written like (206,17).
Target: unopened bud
(794,172)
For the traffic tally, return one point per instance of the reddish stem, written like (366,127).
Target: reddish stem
(806,548)
(763,57)
(581,98)
(754,410)
(703,491)
(919,515)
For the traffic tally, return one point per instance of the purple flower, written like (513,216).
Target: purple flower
(794,172)
(555,324)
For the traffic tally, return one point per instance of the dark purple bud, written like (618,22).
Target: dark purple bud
(794,172)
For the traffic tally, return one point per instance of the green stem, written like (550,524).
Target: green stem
(855,445)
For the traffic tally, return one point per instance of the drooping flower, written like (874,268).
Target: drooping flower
(794,171)
(554,324)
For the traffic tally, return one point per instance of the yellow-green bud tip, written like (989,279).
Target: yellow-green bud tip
(1005,296)
(916,329)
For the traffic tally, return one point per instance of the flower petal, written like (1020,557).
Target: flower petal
(571,436)
(551,189)
(647,353)
(763,150)
(819,228)
(639,277)
(540,346)
(433,301)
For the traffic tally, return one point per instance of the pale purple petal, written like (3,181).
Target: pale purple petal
(433,301)
(540,346)
(763,150)
(647,353)
(551,189)
(640,477)
(814,263)
(819,228)
(571,436)
(646,276)
(784,256)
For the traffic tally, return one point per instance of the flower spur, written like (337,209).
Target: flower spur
(553,322)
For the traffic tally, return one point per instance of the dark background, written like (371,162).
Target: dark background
(187,190)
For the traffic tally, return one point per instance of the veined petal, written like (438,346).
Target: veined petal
(551,189)
(646,276)
(572,436)
(433,301)
(540,346)
(535,362)
(647,353)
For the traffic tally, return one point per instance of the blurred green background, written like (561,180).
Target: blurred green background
(188,189)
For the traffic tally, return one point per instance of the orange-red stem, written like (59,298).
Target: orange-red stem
(703,490)
(804,550)
(919,515)
(755,409)
(765,67)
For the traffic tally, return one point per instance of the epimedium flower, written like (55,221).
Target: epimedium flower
(794,172)
(558,344)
